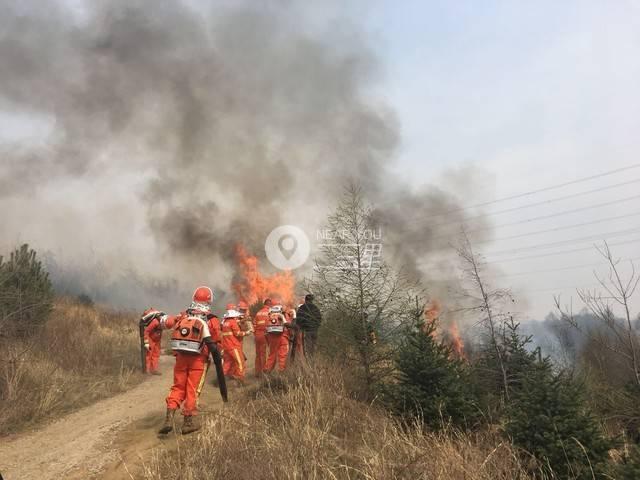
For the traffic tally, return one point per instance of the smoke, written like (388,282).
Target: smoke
(172,132)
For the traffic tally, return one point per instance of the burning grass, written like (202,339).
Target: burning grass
(305,425)
(82,354)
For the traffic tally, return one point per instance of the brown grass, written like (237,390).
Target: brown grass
(82,354)
(304,425)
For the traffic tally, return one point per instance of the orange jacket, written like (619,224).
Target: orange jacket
(231,334)
(261,320)
(153,331)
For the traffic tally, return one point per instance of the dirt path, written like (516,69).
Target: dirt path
(110,439)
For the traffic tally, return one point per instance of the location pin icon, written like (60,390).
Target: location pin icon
(288,245)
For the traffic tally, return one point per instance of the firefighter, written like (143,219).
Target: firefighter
(277,339)
(192,343)
(152,340)
(260,321)
(233,356)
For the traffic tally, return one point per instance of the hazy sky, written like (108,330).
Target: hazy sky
(535,93)
(530,94)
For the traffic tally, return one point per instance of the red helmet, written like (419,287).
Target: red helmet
(202,300)
(230,306)
(203,295)
(242,305)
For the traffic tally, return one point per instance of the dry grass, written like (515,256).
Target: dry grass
(305,426)
(82,354)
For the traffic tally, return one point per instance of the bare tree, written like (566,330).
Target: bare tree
(623,338)
(365,301)
(486,302)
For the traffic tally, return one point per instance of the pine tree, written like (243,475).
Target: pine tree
(431,384)
(547,417)
(25,292)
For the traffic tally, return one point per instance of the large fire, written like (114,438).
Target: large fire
(450,334)
(252,286)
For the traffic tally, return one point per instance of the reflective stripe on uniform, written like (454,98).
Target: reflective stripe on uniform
(240,363)
(186,346)
(202,379)
(261,323)
(227,334)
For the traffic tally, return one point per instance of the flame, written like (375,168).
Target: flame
(451,335)
(252,286)
(456,341)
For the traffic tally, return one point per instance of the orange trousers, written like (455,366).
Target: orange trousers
(233,363)
(261,352)
(153,355)
(189,373)
(278,350)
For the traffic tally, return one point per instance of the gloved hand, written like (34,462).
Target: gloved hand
(147,347)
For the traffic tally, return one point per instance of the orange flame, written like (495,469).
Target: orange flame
(450,335)
(252,286)
(456,341)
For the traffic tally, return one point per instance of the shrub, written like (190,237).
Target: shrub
(430,385)
(25,293)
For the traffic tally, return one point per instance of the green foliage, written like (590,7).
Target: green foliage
(629,468)
(547,417)
(26,293)
(430,385)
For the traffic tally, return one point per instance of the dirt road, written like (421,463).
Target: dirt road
(110,439)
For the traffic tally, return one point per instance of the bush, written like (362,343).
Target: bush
(80,355)
(430,385)
(547,417)
(25,293)
(305,425)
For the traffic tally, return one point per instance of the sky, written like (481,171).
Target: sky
(533,94)
(521,95)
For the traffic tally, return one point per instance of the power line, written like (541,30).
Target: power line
(561,253)
(544,202)
(556,229)
(553,215)
(569,241)
(533,192)
(552,270)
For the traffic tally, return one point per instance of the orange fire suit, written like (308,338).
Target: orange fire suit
(278,344)
(259,330)
(232,354)
(153,338)
(189,371)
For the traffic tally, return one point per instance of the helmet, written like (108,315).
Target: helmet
(230,306)
(203,295)
(242,305)
(232,313)
(268,302)
(276,309)
(202,299)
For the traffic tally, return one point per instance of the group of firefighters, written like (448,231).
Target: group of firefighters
(280,332)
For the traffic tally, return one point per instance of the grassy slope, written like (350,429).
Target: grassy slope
(84,353)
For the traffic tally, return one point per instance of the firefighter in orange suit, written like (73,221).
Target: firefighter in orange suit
(232,356)
(260,321)
(277,338)
(192,343)
(152,340)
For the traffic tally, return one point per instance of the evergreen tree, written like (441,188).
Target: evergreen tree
(430,384)
(547,417)
(26,293)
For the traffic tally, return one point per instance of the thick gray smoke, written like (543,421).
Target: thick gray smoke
(170,132)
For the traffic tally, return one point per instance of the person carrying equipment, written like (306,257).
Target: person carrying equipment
(192,343)
(260,322)
(233,356)
(151,336)
(277,338)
